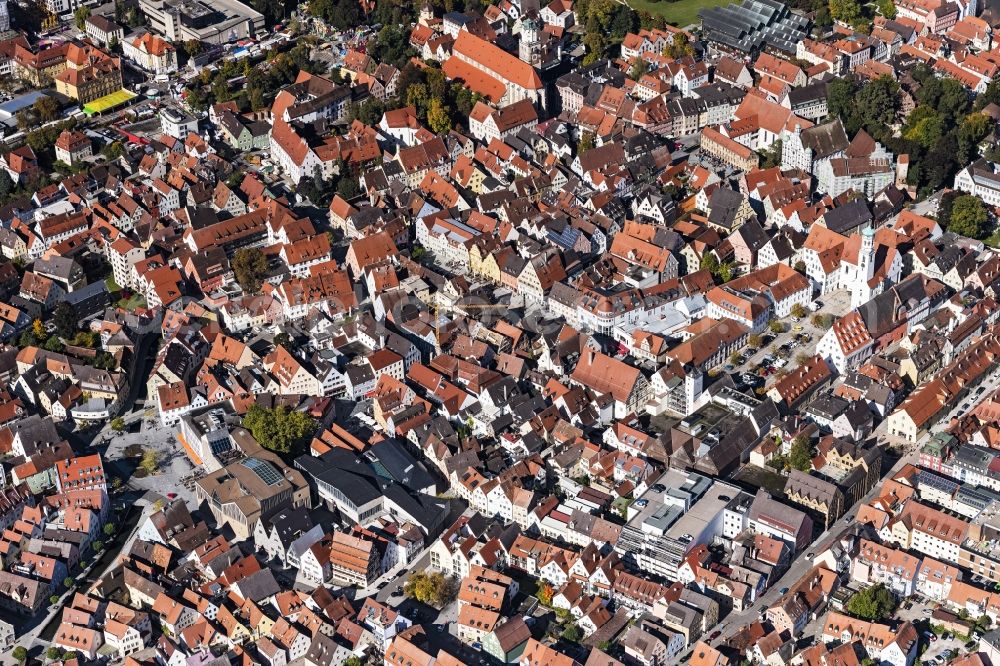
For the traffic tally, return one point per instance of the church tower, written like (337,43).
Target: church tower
(426,14)
(529,48)
(866,255)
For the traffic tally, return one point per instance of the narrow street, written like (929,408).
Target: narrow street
(802,564)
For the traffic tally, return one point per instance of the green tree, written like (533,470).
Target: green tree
(65,319)
(800,455)
(20,654)
(874,603)
(113,150)
(679,46)
(887,8)
(250,267)
(45,107)
(279,428)
(370,112)
(354,660)
(726,271)
(821,320)
(97,545)
(974,128)
(150,461)
(109,529)
(134,18)
(418,97)
(572,633)
(255,96)
(437,83)
(924,126)
(118,424)
(595,43)
(847,11)
(7,186)
(465,99)
(798,310)
(968,217)
(348,187)
(80,16)
(946,96)
(772,156)
(273,10)
(776,326)
(877,103)
(754,341)
(84,339)
(195,97)
(639,69)
(990,96)
(68,582)
(437,116)
(432,588)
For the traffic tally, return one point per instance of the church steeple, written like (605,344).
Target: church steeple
(866,254)
(426,14)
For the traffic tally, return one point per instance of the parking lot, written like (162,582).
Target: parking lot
(175,468)
(779,350)
(941,643)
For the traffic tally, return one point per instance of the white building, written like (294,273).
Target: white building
(980,179)
(151,53)
(177,124)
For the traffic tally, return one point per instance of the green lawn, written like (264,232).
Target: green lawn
(681,13)
(993,240)
(137,301)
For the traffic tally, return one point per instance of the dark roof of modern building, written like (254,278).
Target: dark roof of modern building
(826,139)
(851,215)
(752,25)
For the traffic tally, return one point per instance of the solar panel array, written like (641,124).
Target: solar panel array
(264,470)
(752,25)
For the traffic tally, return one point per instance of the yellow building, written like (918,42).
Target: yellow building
(39,69)
(90,74)
(490,269)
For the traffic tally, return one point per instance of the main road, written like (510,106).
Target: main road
(802,564)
